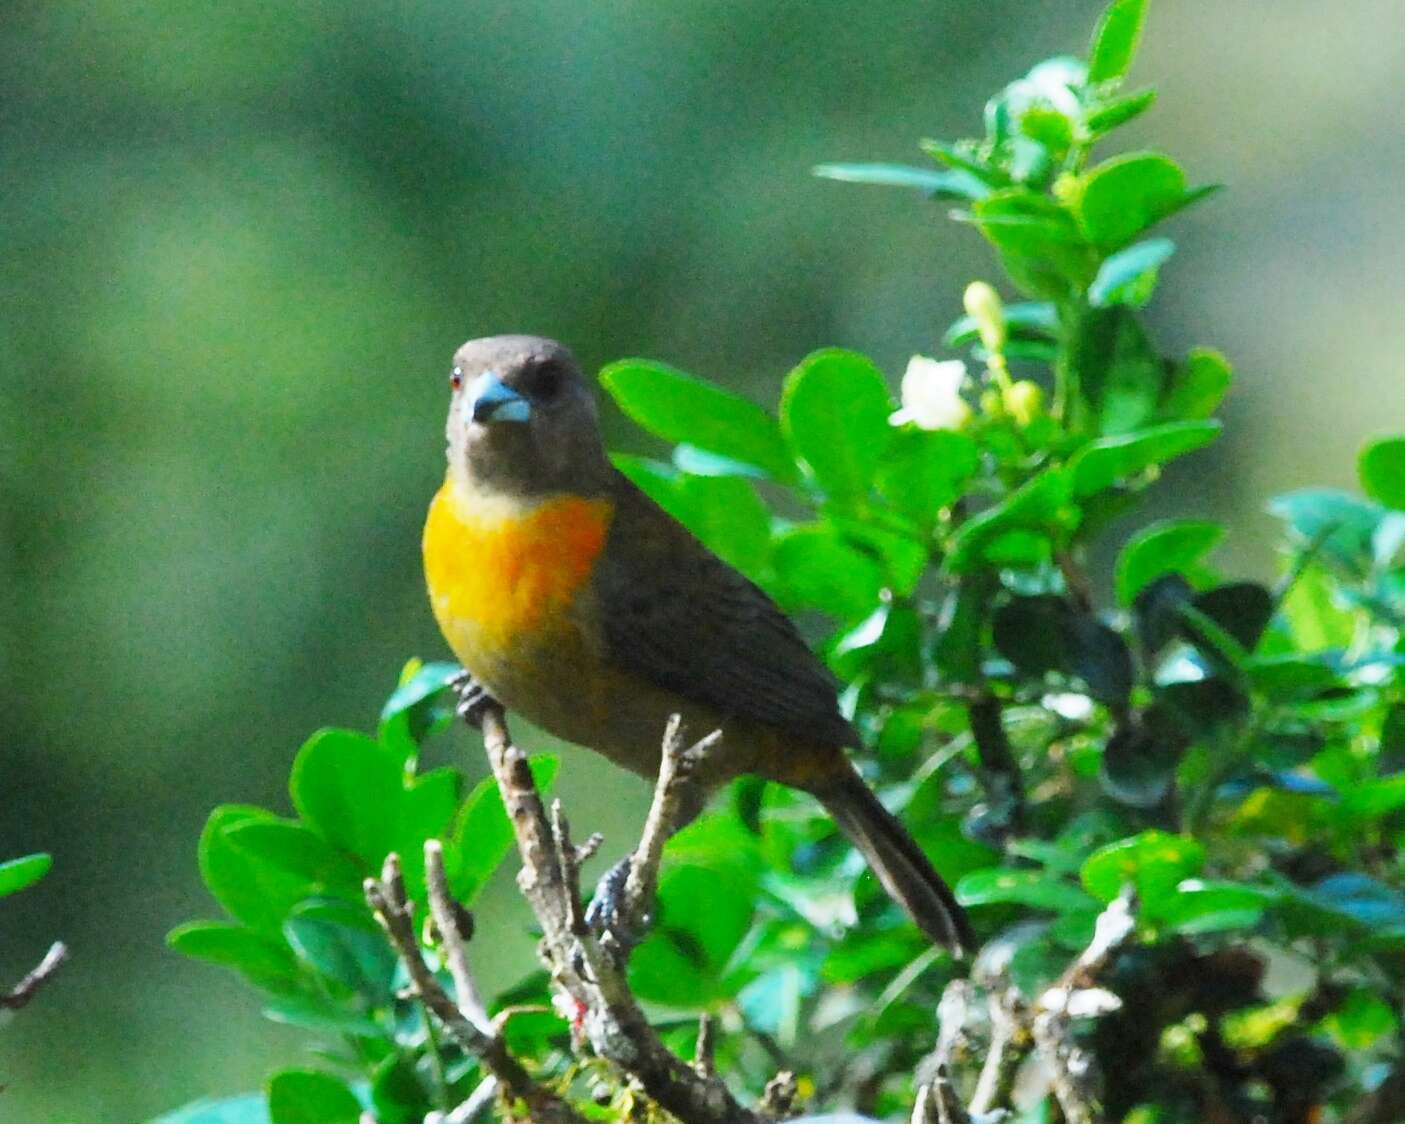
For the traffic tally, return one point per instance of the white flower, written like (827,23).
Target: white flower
(931,396)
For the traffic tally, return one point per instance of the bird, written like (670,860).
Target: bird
(578,603)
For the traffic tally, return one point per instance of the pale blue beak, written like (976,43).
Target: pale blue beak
(490,400)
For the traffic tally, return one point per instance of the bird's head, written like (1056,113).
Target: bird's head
(522,421)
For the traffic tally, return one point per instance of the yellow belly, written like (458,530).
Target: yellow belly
(503,578)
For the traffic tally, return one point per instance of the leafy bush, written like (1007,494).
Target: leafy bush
(1232,751)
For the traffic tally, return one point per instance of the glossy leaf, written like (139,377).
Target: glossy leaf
(924,471)
(1033,888)
(298,1096)
(1340,525)
(1215,907)
(265,960)
(817,569)
(347,788)
(834,411)
(953,184)
(1129,276)
(1115,40)
(258,894)
(1170,546)
(1038,242)
(681,964)
(1119,375)
(1036,505)
(1198,386)
(342,943)
(1109,460)
(1154,862)
(19,874)
(1111,114)
(300,853)
(1126,195)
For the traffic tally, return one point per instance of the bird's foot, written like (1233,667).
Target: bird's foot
(608,914)
(474,698)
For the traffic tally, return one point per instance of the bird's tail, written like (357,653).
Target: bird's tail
(897,860)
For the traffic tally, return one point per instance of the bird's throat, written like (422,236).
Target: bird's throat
(504,570)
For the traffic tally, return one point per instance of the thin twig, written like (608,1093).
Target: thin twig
(388,900)
(705,1052)
(20,995)
(1010,1043)
(452,939)
(594,981)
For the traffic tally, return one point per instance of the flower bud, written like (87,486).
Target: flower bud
(983,305)
(931,394)
(1024,401)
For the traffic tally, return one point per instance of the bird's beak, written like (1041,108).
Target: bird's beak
(490,400)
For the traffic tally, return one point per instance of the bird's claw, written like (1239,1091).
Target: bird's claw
(474,698)
(608,915)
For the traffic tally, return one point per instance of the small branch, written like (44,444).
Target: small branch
(445,911)
(593,979)
(477,1102)
(705,1052)
(388,901)
(779,1097)
(1010,1043)
(20,995)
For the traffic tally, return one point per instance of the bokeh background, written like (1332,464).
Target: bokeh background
(239,242)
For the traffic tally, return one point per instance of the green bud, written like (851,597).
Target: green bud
(1024,401)
(984,306)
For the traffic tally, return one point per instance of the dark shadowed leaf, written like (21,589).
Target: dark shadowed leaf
(1157,611)
(1242,609)
(1139,762)
(342,942)
(397,1094)
(1110,460)
(1119,374)
(1099,656)
(682,962)
(1032,633)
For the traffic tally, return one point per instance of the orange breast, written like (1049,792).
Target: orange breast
(499,573)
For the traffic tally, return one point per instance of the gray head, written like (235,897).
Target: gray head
(522,420)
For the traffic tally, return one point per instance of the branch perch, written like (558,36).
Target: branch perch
(583,964)
(20,995)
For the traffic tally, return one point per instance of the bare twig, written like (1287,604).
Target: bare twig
(477,1102)
(452,939)
(387,899)
(705,1052)
(593,980)
(779,1098)
(1010,1043)
(20,995)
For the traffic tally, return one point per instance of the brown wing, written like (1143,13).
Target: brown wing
(677,615)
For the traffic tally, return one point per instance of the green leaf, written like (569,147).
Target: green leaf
(1034,888)
(834,411)
(679,407)
(933,182)
(1169,546)
(265,961)
(347,787)
(427,807)
(1215,907)
(343,943)
(21,873)
(1382,470)
(1362,1020)
(1033,322)
(325,1016)
(817,569)
(683,961)
(298,1096)
(258,894)
(1126,195)
(1140,759)
(250,1108)
(300,853)
(397,1094)
(482,835)
(1115,40)
(1342,526)
(1116,112)
(1346,902)
(1154,861)
(1109,460)
(418,704)
(1118,374)
(1316,618)
(1037,505)
(1242,609)
(924,471)
(728,516)
(1129,276)
(1198,386)
(1038,242)
(1370,800)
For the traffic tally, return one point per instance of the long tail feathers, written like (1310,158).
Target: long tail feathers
(898,861)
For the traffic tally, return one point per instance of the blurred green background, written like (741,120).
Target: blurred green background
(241,241)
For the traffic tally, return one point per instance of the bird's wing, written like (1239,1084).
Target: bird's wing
(676,615)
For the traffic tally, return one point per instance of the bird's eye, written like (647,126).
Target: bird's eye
(546,381)
(456,378)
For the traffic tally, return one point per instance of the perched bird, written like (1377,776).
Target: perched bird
(576,601)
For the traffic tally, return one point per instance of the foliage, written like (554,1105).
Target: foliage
(1232,750)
